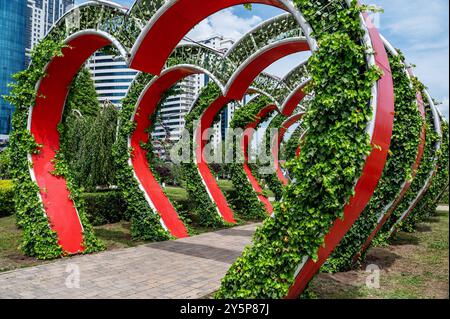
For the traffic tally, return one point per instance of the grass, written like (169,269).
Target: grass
(413,266)
(10,238)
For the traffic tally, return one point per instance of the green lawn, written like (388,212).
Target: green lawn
(413,266)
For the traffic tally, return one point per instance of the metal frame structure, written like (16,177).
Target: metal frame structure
(147,37)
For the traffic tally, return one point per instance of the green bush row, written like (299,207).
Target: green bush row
(104,207)
(6,198)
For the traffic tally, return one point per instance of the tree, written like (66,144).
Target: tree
(82,95)
(88,132)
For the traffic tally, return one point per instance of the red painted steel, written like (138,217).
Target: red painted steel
(162,37)
(298,151)
(145,109)
(245,147)
(293,102)
(418,199)
(276,142)
(245,77)
(239,86)
(46,115)
(205,123)
(405,188)
(372,171)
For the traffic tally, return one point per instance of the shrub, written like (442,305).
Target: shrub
(5,172)
(104,207)
(6,198)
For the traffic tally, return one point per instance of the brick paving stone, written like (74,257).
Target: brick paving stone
(184,268)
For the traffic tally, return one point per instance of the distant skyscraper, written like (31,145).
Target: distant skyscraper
(42,14)
(12,53)
(111,77)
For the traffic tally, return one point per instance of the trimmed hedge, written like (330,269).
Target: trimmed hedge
(6,198)
(104,207)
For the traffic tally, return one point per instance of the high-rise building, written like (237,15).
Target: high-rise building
(111,77)
(12,57)
(42,14)
(221,44)
(172,113)
(23,24)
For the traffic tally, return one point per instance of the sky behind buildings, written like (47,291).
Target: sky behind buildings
(420,28)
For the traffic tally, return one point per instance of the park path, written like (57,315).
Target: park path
(184,268)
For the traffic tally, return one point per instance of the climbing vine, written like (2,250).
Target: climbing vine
(429,201)
(247,204)
(397,171)
(145,223)
(292,144)
(426,166)
(204,209)
(39,240)
(332,158)
(272,180)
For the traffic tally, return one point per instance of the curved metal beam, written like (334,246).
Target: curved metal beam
(43,122)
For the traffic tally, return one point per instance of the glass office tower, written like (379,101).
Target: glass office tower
(12,53)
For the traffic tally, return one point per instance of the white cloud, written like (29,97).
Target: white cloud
(420,29)
(225,23)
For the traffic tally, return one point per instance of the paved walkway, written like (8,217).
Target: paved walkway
(185,268)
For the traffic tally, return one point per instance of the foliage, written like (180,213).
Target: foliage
(205,210)
(104,207)
(397,171)
(332,158)
(5,164)
(6,198)
(292,144)
(39,240)
(246,201)
(423,172)
(82,96)
(439,184)
(145,223)
(87,134)
(272,180)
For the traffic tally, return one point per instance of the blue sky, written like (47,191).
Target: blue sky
(418,27)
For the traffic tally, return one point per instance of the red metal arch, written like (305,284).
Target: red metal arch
(206,121)
(246,73)
(407,185)
(372,170)
(293,100)
(44,119)
(245,147)
(157,41)
(276,142)
(239,84)
(146,106)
